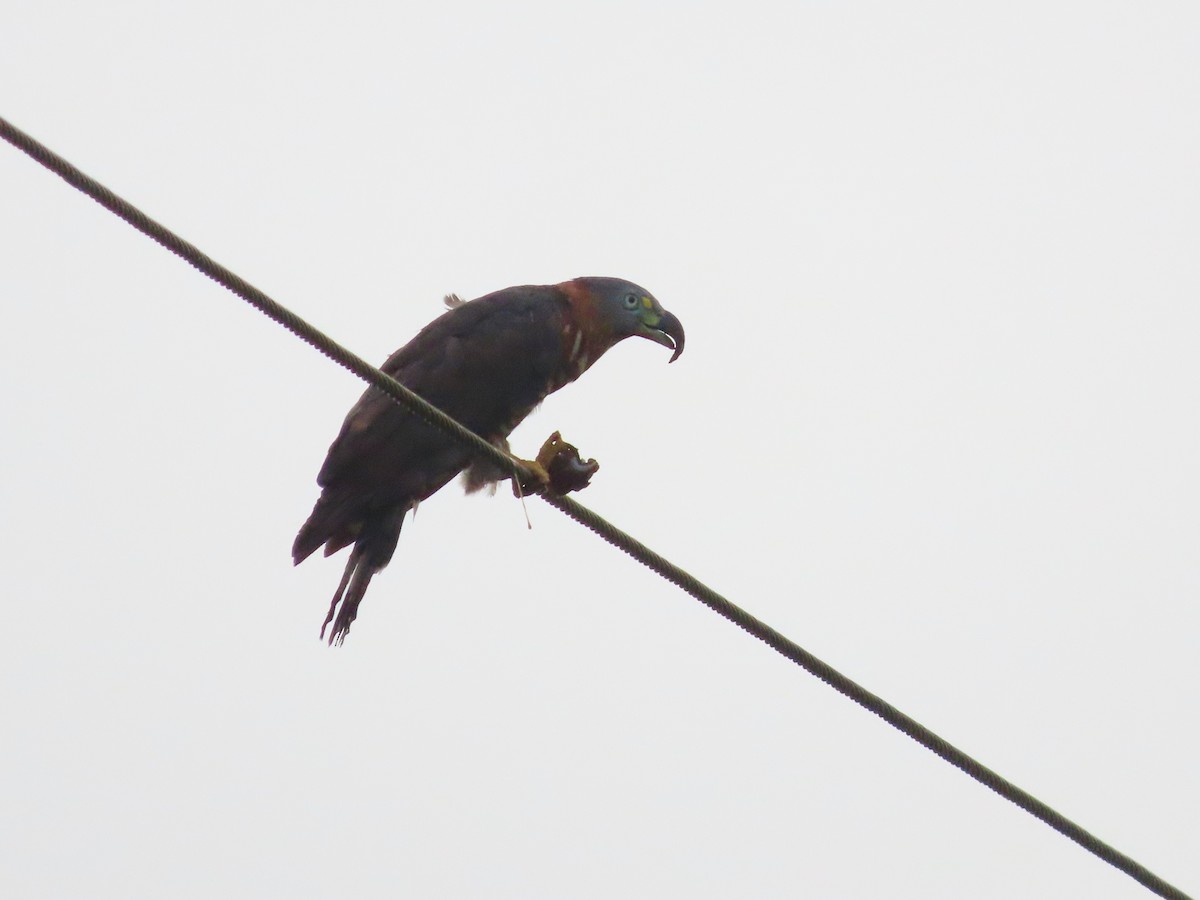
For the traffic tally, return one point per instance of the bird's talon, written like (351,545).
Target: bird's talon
(527,487)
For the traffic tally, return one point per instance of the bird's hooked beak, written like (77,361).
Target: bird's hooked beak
(665,329)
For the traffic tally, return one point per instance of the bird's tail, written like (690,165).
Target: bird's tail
(356,577)
(372,551)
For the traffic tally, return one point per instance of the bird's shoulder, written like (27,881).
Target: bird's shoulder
(499,322)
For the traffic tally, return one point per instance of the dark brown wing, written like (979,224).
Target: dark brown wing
(486,363)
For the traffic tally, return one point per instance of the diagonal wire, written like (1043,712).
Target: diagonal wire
(863,697)
(192,255)
(584,516)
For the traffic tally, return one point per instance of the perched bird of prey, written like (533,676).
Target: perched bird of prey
(487,363)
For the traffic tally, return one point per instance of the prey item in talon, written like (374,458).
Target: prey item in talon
(566,470)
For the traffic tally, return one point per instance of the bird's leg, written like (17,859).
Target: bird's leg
(534,485)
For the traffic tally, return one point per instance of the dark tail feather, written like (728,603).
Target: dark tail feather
(358,576)
(372,551)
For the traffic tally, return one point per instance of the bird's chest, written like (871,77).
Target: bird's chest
(538,361)
(575,357)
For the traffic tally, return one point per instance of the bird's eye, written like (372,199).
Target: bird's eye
(631,301)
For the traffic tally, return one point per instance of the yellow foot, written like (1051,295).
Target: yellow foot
(538,483)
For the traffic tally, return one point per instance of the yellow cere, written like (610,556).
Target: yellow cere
(647,302)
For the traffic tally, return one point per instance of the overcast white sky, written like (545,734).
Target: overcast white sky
(937,421)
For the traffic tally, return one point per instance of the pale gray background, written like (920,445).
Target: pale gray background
(937,421)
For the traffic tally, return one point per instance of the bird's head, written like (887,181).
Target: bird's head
(621,309)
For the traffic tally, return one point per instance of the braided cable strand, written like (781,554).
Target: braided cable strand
(192,255)
(864,698)
(584,516)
